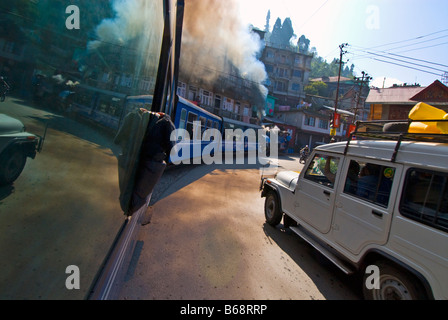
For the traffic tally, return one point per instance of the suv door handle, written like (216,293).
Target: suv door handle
(377,213)
(327,193)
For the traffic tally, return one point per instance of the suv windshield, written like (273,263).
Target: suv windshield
(69,65)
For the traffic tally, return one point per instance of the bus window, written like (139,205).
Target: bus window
(192,117)
(209,124)
(115,107)
(183,119)
(203,124)
(103,104)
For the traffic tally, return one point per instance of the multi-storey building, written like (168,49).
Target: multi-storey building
(288,71)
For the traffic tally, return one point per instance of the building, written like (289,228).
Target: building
(396,102)
(288,73)
(308,125)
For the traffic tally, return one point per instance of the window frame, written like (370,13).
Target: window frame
(380,177)
(420,217)
(329,184)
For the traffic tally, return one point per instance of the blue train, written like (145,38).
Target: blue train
(107,109)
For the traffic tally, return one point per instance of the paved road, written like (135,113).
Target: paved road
(208,240)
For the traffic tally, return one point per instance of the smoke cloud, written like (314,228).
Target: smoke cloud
(214,40)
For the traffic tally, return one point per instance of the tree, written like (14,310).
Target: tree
(282,33)
(287,32)
(317,88)
(276,32)
(303,44)
(267,27)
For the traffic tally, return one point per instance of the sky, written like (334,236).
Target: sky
(387,39)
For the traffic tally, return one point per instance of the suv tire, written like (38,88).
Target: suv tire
(12,162)
(395,284)
(272,210)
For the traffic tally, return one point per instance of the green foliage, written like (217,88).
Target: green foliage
(282,33)
(303,44)
(317,88)
(321,68)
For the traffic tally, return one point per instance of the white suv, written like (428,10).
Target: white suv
(379,207)
(16,145)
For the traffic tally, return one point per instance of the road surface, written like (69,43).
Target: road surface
(208,240)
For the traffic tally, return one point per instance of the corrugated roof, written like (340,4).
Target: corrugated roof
(395,95)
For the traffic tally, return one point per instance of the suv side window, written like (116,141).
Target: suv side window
(323,170)
(425,197)
(368,181)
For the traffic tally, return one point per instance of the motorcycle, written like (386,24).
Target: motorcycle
(303,157)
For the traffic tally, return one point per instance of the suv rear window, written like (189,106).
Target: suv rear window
(425,198)
(368,181)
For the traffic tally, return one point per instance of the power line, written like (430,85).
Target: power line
(313,14)
(427,47)
(400,60)
(402,41)
(401,56)
(401,65)
(413,44)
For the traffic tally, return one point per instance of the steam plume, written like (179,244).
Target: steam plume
(214,39)
(214,36)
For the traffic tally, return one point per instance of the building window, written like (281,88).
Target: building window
(297,74)
(295,87)
(145,85)
(283,59)
(206,98)
(237,107)
(218,101)
(281,72)
(310,121)
(280,86)
(269,68)
(228,104)
(192,93)
(323,124)
(182,89)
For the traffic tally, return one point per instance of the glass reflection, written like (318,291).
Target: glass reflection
(67,93)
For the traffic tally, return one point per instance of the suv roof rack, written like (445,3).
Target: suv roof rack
(395,131)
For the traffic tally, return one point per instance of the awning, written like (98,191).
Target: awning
(341,111)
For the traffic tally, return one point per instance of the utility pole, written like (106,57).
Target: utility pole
(341,47)
(365,79)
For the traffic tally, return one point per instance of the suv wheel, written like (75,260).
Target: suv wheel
(394,284)
(12,162)
(272,210)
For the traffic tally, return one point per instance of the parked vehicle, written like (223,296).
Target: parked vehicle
(16,145)
(377,203)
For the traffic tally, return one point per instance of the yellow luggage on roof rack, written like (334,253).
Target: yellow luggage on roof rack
(423,111)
